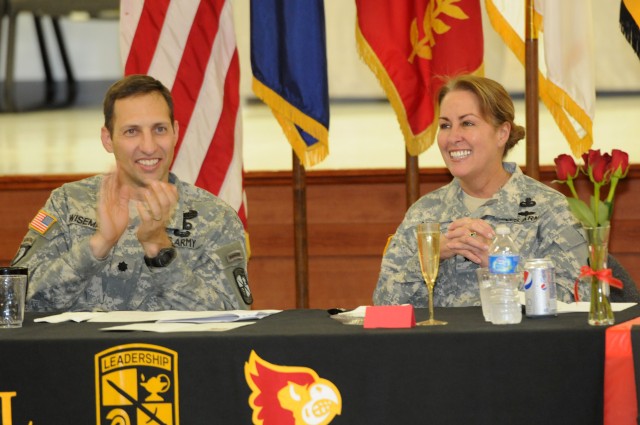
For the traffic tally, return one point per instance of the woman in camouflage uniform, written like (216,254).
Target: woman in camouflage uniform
(476,131)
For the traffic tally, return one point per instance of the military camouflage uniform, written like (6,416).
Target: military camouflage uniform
(208,273)
(541,226)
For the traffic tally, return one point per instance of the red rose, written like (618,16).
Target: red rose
(619,163)
(599,167)
(566,167)
(591,156)
(603,170)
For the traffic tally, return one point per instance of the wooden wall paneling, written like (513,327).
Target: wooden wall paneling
(343,281)
(272,283)
(351,213)
(17,208)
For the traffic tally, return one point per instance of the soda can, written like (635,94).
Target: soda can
(540,288)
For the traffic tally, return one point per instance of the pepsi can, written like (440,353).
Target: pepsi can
(540,288)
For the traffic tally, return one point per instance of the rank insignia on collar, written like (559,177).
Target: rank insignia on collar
(42,222)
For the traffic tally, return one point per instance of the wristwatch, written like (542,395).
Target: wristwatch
(164,258)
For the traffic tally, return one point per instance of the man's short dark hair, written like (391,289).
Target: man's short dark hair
(133,85)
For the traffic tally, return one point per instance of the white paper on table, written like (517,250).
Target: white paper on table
(584,306)
(159,316)
(351,317)
(217,316)
(70,316)
(356,313)
(178,327)
(581,306)
(359,312)
(103,316)
(130,316)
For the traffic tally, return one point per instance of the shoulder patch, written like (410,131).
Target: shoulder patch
(243,285)
(42,222)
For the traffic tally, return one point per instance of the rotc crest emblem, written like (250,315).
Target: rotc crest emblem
(137,384)
(289,395)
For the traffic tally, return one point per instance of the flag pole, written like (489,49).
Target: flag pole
(300,233)
(531,93)
(412,178)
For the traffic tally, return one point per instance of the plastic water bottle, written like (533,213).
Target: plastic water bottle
(505,279)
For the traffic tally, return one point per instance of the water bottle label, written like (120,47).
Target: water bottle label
(503,263)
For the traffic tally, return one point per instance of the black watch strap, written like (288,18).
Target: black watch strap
(164,258)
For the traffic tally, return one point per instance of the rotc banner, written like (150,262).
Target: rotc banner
(567,69)
(289,64)
(630,23)
(412,46)
(137,384)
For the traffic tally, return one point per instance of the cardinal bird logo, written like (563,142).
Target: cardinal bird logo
(289,395)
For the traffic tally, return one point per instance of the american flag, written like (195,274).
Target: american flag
(41,222)
(190,46)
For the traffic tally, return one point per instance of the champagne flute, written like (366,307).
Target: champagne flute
(429,255)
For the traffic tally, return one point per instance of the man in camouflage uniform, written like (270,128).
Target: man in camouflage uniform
(541,226)
(136,239)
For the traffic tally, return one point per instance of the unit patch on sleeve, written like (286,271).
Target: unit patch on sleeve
(42,222)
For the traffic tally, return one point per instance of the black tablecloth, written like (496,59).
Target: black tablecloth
(542,371)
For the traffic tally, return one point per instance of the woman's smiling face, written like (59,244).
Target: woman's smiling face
(470,145)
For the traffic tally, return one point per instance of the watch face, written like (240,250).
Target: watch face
(163,259)
(166,256)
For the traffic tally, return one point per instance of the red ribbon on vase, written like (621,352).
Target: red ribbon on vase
(605,275)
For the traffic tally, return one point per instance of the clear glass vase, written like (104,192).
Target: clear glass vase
(600,312)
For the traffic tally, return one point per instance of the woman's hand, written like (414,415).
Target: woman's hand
(469,237)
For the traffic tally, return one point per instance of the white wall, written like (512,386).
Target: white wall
(94,52)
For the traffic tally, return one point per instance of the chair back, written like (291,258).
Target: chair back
(629,292)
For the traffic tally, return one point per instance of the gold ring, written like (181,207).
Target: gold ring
(157,219)
(473,234)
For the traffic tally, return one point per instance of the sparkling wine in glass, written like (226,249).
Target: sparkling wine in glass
(429,255)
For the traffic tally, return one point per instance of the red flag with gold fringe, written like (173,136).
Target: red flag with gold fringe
(412,47)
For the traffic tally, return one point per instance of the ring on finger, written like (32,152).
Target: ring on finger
(473,234)
(157,219)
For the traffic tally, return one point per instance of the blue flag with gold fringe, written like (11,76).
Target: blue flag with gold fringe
(289,64)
